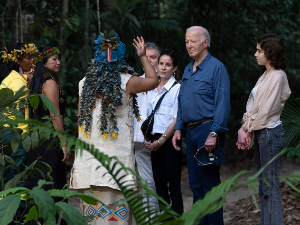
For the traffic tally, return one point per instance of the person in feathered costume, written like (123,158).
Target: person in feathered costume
(106,121)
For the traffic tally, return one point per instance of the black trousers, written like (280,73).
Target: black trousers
(166,166)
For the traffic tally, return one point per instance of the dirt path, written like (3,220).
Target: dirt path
(287,167)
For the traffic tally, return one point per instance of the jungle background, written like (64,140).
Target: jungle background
(73,25)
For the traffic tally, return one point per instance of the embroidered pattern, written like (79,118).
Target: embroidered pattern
(110,212)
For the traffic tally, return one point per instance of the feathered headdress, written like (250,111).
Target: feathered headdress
(15,54)
(103,81)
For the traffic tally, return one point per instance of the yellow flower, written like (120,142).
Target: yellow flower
(86,134)
(138,118)
(80,129)
(114,134)
(104,135)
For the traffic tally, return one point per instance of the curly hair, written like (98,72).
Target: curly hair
(274,49)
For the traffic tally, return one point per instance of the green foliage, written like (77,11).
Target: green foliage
(44,203)
(41,204)
(8,207)
(233,26)
(291,119)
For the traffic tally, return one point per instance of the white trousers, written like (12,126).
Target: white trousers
(144,167)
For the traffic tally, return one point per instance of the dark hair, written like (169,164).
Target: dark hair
(7,67)
(152,45)
(172,54)
(40,71)
(274,49)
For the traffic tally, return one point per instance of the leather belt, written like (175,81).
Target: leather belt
(195,124)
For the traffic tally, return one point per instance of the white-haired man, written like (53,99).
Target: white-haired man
(203,112)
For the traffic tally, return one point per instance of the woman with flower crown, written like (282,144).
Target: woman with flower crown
(15,61)
(106,121)
(46,66)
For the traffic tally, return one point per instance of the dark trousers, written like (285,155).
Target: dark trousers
(268,143)
(202,178)
(166,166)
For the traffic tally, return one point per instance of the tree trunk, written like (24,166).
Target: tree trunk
(98,17)
(20,21)
(86,27)
(65,11)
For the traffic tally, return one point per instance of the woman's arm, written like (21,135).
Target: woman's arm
(155,145)
(51,91)
(137,84)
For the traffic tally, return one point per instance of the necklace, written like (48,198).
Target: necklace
(60,87)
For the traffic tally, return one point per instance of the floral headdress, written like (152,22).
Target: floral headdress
(45,54)
(15,54)
(103,79)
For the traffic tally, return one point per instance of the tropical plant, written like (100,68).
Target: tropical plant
(291,119)
(41,204)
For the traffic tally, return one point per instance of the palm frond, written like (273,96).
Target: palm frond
(291,121)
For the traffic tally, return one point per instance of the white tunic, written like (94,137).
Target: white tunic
(87,171)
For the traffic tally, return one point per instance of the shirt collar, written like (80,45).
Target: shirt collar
(202,64)
(169,84)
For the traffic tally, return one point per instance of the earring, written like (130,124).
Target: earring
(20,70)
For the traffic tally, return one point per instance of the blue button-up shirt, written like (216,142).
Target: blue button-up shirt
(204,93)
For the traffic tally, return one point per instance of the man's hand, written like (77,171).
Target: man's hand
(176,137)
(140,47)
(210,143)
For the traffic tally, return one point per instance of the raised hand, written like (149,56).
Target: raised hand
(139,45)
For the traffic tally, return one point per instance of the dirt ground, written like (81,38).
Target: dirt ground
(239,207)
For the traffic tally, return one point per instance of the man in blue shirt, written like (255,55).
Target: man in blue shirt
(203,112)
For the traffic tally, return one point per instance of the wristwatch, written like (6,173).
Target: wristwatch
(213,134)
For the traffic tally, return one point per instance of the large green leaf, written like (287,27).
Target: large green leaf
(34,101)
(33,214)
(34,139)
(8,208)
(49,104)
(45,204)
(14,190)
(14,145)
(44,134)
(26,141)
(6,96)
(69,213)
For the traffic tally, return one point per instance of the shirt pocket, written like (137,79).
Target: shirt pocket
(164,116)
(203,87)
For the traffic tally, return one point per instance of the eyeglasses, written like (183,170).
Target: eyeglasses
(211,157)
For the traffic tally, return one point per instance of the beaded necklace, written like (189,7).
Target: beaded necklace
(103,79)
(60,87)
